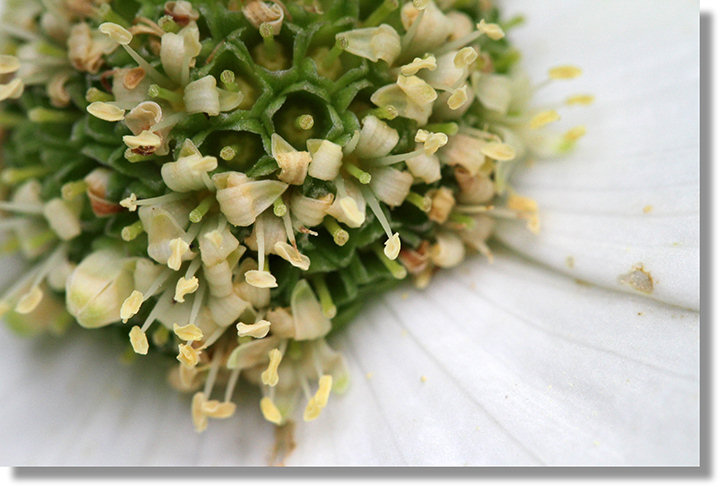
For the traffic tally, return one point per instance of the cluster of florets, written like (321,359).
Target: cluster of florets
(232,178)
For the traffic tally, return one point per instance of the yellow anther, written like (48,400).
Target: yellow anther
(498,151)
(458,98)
(256,330)
(493,31)
(292,255)
(187,355)
(564,72)
(178,247)
(312,410)
(580,100)
(138,340)
(428,62)
(574,133)
(544,118)
(270,376)
(323,393)
(12,90)
(352,212)
(417,89)
(200,420)
(188,332)
(185,286)
(260,279)
(130,202)
(8,64)
(465,57)
(106,111)
(392,246)
(270,410)
(29,301)
(217,409)
(522,203)
(116,32)
(131,305)
(146,139)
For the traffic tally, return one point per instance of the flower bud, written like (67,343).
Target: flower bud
(448,250)
(373,43)
(390,185)
(97,288)
(377,138)
(326,159)
(310,211)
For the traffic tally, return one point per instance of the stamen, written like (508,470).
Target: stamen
(138,340)
(324,388)
(185,286)
(131,305)
(305,122)
(227,78)
(29,301)
(392,244)
(123,37)
(580,100)
(493,31)
(187,355)
(429,62)
(259,329)
(8,64)
(458,98)
(178,247)
(564,72)
(156,91)
(424,203)
(397,270)
(544,118)
(270,411)
(197,214)
(465,57)
(409,36)
(106,111)
(260,278)
(292,255)
(189,332)
(270,376)
(388,112)
(212,375)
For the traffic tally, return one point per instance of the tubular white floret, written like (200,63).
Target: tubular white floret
(373,43)
(242,199)
(293,163)
(310,211)
(202,96)
(189,172)
(326,159)
(377,138)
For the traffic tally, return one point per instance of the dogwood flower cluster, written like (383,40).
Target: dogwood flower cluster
(225,181)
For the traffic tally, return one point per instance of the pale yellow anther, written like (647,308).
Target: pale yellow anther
(544,118)
(417,89)
(493,31)
(312,410)
(259,329)
(580,100)
(260,279)
(432,141)
(131,305)
(116,32)
(130,202)
(8,64)
(270,411)
(106,111)
(498,151)
(200,420)
(138,340)
(324,388)
(187,355)
(292,255)
(564,72)
(29,301)
(428,62)
(178,247)
(574,133)
(184,287)
(145,140)
(351,210)
(522,203)
(458,98)
(12,90)
(465,57)
(188,332)
(392,246)
(270,376)
(218,410)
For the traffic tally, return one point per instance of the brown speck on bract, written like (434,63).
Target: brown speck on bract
(638,278)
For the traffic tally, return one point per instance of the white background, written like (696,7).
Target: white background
(413,477)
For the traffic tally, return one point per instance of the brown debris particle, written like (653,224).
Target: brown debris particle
(638,278)
(284,444)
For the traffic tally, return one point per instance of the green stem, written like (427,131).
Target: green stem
(326,302)
(357,173)
(448,128)
(131,232)
(380,13)
(339,234)
(424,203)
(395,268)
(227,78)
(93,94)
(157,91)
(279,207)
(15,175)
(48,115)
(461,218)
(73,189)
(197,214)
